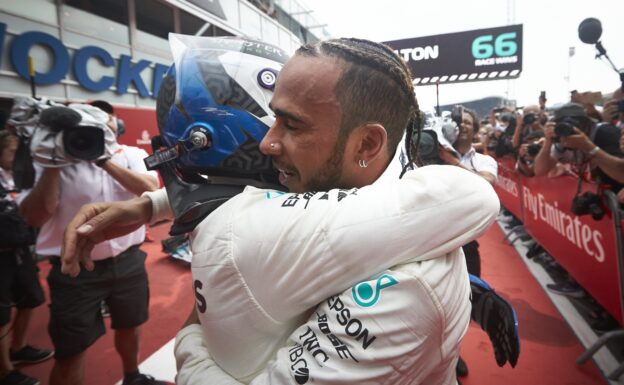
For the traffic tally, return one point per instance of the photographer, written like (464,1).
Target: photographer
(527,152)
(613,110)
(575,138)
(19,279)
(529,122)
(106,172)
(500,141)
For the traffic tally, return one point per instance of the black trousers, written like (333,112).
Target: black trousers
(473,259)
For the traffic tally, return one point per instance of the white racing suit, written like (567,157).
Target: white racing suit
(264,259)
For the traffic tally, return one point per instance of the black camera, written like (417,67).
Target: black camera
(529,118)
(84,142)
(428,147)
(565,128)
(588,203)
(533,149)
(457,115)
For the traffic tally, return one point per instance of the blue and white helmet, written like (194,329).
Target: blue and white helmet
(214,102)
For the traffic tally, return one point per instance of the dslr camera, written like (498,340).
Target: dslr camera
(529,118)
(588,203)
(533,149)
(565,128)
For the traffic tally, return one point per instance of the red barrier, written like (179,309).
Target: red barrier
(508,186)
(584,247)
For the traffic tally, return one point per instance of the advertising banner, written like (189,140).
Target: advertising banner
(141,126)
(508,187)
(586,248)
(483,54)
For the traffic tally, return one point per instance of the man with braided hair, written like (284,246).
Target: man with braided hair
(268,265)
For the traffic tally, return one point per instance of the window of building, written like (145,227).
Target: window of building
(154,17)
(115,10)
(189,24)
(220,32)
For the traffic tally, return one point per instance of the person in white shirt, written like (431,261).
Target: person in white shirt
(480,164)
(264,259)
(117,273)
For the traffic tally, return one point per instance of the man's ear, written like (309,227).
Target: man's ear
(373,142)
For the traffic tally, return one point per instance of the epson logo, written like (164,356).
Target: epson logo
(419,53)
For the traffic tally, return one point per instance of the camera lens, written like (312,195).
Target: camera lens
(428,146)
(533,149)
(564,129)
(84,142)
(529,118)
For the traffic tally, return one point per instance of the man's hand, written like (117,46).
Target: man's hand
(549,132)
(498,318)
(610,110)
(97,222)
(577,141)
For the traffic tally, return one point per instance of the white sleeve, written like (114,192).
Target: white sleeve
(160,205)
(488,164)
(135,156)
(303,248)
(193,361)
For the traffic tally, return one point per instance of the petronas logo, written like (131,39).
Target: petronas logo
(367,295)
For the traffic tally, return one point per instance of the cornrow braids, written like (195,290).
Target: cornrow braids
(375,86)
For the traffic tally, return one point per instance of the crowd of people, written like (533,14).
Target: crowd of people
(578,137)
(583,138)
(344,147)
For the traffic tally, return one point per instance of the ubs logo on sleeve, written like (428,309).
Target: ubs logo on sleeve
(367,295)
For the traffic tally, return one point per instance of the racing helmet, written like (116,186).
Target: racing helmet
(213,106)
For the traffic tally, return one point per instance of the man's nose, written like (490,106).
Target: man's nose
(269,144)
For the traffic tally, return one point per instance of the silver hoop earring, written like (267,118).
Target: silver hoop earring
(362,163)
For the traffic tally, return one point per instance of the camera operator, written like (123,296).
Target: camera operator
(19,279)
(569,140)
(117,274)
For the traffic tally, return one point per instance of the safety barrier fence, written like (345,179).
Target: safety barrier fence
(590,250)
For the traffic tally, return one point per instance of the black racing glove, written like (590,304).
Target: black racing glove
(497,317)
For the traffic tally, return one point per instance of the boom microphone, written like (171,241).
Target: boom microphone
(59,118)
(590,30)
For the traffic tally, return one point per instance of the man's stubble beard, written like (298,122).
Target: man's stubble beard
(331,174)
